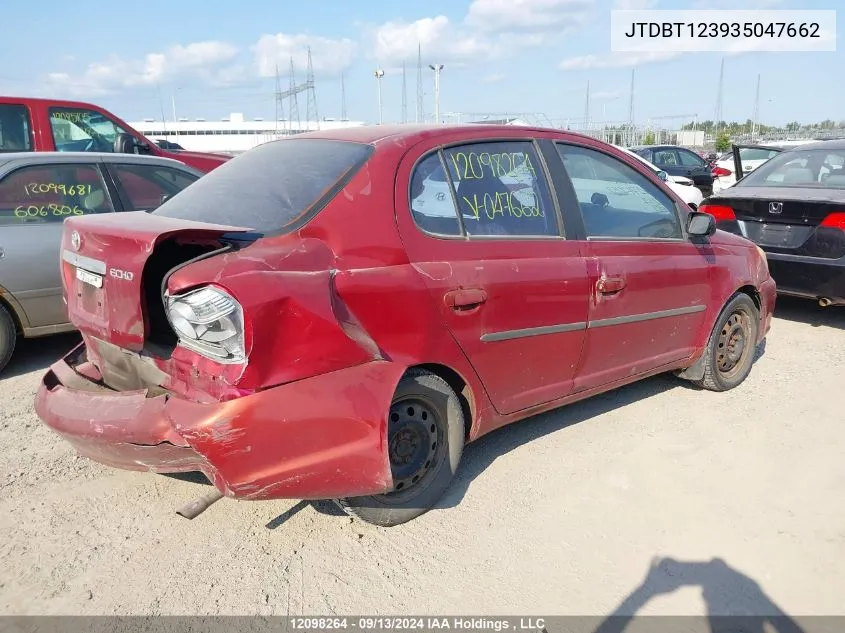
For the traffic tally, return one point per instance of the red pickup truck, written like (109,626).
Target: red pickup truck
(46,125)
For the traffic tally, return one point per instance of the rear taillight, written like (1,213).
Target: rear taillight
(718,172)
(718,211)
(835,220)
(210,322)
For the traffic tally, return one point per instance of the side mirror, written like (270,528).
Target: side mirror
(125,144)
(663,175)
(701,224)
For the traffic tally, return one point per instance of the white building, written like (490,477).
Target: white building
(232,134)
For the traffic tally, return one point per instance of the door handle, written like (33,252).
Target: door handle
(465,299)
(610,285)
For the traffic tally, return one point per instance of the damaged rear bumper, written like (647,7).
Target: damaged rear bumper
(317,438)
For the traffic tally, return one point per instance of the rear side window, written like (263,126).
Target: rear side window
(15,129)
(142,186)
(499,189)
(277,186)
(51,193)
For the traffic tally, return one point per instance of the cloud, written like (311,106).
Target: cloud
(527,15)
(491,28)
(436,36)
(616,60)
(328,56)
(493,78)
(747,5)
(199,59)
(635,5)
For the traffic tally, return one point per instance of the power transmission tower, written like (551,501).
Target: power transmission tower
(420,111)
(404,95)
(631,110)
(718,115)
(293,108)
(311,109)
(587,108)
(343,96)
(280,108)
(756,117)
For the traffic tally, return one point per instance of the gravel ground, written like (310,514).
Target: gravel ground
(742,492)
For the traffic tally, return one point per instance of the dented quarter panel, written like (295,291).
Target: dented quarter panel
(121,241)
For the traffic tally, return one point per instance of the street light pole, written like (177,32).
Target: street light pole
(436,68)
(378,74)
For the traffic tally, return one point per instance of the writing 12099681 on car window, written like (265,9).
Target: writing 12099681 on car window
(335,315)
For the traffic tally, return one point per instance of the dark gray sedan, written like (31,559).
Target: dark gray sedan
(38,190)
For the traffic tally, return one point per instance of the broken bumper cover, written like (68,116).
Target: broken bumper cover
(317,438)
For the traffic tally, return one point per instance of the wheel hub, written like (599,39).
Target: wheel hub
(732,343)
(412,442)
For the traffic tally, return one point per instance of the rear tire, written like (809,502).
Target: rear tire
(732,346)
(8,336)
(425,440)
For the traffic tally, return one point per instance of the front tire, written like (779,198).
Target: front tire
(425,440)
(8,336)
(731,348)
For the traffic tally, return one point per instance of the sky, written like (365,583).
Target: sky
(210,58)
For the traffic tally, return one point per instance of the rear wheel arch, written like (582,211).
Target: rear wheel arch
(13,312)
(460,386)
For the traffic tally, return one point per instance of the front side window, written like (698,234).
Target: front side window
(51,193)
(617,201)
(82,130)
(15,129)
(499,189)
(142,187)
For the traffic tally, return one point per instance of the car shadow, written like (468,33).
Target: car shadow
(33,354)
(734,601)
(809,312)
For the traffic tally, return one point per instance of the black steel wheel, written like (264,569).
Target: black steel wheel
(425,440)
(731,348)
(8,336)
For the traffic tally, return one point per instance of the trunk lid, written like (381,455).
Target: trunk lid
(784,219)
(113,266)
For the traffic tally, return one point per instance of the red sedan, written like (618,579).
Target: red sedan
(334,315)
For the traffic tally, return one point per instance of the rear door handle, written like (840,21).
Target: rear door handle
(465,299)
(610,285)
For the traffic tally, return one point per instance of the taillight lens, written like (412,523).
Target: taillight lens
(718,172)
(210,322)
(835,220)
(718,211)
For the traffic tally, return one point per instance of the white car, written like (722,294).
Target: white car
(724,175)
(679,184)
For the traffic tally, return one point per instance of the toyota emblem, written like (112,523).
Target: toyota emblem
(75,240)
(775,207)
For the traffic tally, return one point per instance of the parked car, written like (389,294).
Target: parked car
(38,191)
(169,145)
(681,185)
(46,125)
(726,171)
(679,161)
(793,207)
(297,325)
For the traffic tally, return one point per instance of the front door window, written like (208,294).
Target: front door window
(83,130)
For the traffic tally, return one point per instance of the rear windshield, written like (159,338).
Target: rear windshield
(812,169)
(275,187)
(756,153)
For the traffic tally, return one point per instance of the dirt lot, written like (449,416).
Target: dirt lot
(561,514)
